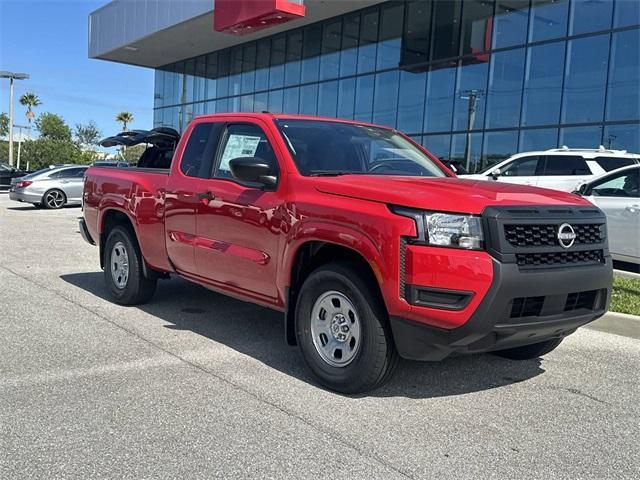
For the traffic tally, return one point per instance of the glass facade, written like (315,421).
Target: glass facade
(474,81)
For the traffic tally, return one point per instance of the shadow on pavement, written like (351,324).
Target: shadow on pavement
(259,332)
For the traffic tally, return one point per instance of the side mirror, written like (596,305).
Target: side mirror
(496,173)
(582,190)
(253,172)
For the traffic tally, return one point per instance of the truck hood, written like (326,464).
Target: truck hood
(444,194)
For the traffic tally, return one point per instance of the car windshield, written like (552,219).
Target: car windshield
(328,148)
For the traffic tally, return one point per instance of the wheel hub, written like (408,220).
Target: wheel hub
(119,265)
(340,327)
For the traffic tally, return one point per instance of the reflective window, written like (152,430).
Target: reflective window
(211,74)
(538,139)
(276,72)
(590,16)
(158,93)
(581,137)
(200,150)
(235,75)
(613,163)
(364,98)
(291,100)
(346,97)
(438,145)
(548,19)
(523,167)
(417,32)
(411,101)
(476,26)
(498,146)
(261,102)
(585,79)
(471,92)
(385,103)
(293,57)
(350,40)
(445,38)
(626,13)
(467,151)
(246,103)
(311,45)
(505,88)
(438,108)
(510,23)
(330,59)
(275,101)
(223,73)
(328,99)
(263,59)
(189,71)
(309,99)
(253,142)
(249,68)
(623,92)
(368,39)
(623,137)
(391,25)
(199,78)
(543,84)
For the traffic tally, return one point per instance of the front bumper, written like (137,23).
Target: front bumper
(548,304)
(19,196)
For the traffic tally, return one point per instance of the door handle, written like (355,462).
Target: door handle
(633,208)
(206,197)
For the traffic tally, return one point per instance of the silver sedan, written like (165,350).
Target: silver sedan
(50,187)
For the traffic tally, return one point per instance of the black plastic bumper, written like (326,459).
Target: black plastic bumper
(82,226)
(497,324)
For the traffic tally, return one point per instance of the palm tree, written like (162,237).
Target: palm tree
(125,118)
(30,100)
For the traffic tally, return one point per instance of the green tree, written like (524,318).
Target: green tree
(30,100)
(133,154)
(53,127)
(43,152)
(87,135)
(125,118)
(4,124)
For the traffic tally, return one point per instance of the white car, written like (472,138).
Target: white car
(618,195)
(559,168)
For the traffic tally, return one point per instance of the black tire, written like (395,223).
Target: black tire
(376,356)
(527,352)
(37,205)
(137,288)
(49,204)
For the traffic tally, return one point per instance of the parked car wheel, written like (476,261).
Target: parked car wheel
(54,199)
(123,270)
(527,352)
(343,330)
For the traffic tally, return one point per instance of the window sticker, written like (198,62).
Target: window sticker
(238,146)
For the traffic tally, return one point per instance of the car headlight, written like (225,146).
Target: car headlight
(446,229)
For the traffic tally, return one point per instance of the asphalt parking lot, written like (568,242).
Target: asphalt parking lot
(197,385)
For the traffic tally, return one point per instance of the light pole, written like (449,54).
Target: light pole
(12,76)
(472,96)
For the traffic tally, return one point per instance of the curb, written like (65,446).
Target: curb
(625,274)
(617,323)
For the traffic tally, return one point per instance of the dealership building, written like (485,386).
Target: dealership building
(474,81)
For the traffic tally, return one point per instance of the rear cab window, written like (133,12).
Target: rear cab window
(200,151)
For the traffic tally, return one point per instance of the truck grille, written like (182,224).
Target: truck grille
(532,235)
(528,236)
(584,257)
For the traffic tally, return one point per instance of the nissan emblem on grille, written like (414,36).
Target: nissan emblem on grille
(566,235)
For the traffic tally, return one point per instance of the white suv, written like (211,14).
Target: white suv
(559,168)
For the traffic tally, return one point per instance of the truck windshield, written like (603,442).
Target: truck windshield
(328,148)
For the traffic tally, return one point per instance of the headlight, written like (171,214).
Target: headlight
(446,229)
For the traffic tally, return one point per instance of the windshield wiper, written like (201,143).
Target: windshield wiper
(329,173)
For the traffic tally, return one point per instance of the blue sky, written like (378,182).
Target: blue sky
(48,40)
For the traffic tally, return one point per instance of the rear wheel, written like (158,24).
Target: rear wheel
(123,270)
(343,330)
(527,352)
(54,199)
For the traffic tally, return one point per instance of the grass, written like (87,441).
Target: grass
(626,296)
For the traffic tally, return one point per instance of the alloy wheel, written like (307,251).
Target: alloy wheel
(119,265)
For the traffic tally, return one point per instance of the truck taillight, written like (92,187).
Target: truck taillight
(23,184)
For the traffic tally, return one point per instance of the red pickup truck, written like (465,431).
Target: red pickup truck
(369,245)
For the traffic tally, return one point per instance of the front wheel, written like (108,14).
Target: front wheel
(123,271)
(528,352)
(343,330)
